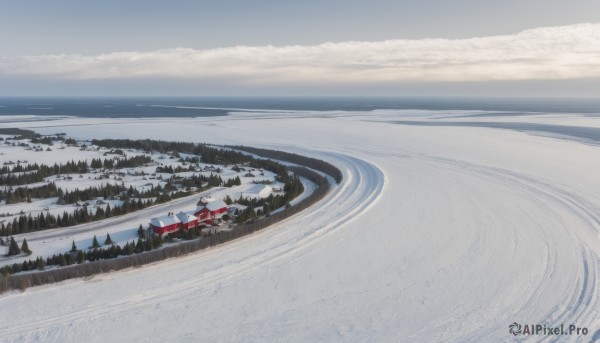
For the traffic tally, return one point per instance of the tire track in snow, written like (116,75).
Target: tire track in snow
(579,304)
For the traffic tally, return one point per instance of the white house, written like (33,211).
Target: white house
(257,191)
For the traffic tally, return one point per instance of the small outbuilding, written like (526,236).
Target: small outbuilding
(257,191)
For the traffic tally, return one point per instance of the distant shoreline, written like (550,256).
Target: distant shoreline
(188,107)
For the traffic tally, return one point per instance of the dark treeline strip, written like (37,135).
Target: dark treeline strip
(96,253)
(7,178)
(22,281)
(16,131)
(208,154)
(43,171)
(310,162)
(127,162)
(18,168)
(21,194)
(31,223)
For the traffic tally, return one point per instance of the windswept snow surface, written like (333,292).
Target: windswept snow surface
(437,233)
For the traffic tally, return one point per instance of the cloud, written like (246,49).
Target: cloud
(550,53)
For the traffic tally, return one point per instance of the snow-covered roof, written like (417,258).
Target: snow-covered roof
(164,221)
(185,217)
(257,191)
(215,205)
(206,199)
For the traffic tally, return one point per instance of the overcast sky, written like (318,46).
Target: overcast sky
(338,47)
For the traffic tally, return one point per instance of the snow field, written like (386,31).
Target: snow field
(435,234)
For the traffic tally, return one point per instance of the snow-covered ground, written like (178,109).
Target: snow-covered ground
(437,233)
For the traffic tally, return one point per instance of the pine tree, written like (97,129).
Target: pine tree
(141,232)
(108,241)
(39,263)
(95,243)
(25,247)
(139,247)
(73,247)
(13,249)
(80,257)
(62,261)
(130,248)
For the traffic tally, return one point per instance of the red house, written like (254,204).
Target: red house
(165,224)
(187,221)
(209,209)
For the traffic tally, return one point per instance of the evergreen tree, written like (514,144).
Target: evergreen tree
(95,243)
(62,260)
(80,257)
(141,232)
(73,247)
(139,247)
(13,249)
(130,248)
(108,241)
(157,242)
(25,247)
(39,263)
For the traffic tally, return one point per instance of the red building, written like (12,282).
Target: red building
(209,209)
(165,224)
(187,221)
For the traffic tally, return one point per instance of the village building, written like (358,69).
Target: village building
(165,224)
(209,209)
(187,220)
(257,191)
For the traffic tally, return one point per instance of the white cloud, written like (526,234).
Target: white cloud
(544,53)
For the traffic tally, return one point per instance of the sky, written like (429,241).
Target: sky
(336,47)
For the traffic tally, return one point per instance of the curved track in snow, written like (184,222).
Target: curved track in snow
(572,288)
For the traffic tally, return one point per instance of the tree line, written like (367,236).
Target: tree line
(32,223)
(309,162)
(95,252)
(119,163)
(208,154)
(42,171)
(33,173)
